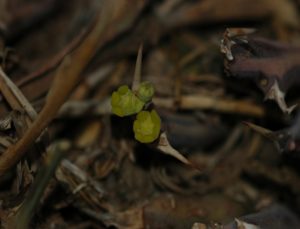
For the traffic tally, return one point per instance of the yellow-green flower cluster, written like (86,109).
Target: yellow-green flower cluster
(125,102)
(145,91)
(146,127)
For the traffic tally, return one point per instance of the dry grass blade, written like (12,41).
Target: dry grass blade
(14,96)
(22,219)
(190,102)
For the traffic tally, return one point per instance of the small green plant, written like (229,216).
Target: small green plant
(147,124)
(125,102)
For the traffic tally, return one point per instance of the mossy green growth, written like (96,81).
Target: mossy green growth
(124,102)
(146,127)
(145,91)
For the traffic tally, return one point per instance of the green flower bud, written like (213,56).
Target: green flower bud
(146,127)
(145,91)
(124,102)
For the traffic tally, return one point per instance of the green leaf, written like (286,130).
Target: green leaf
(146,127)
